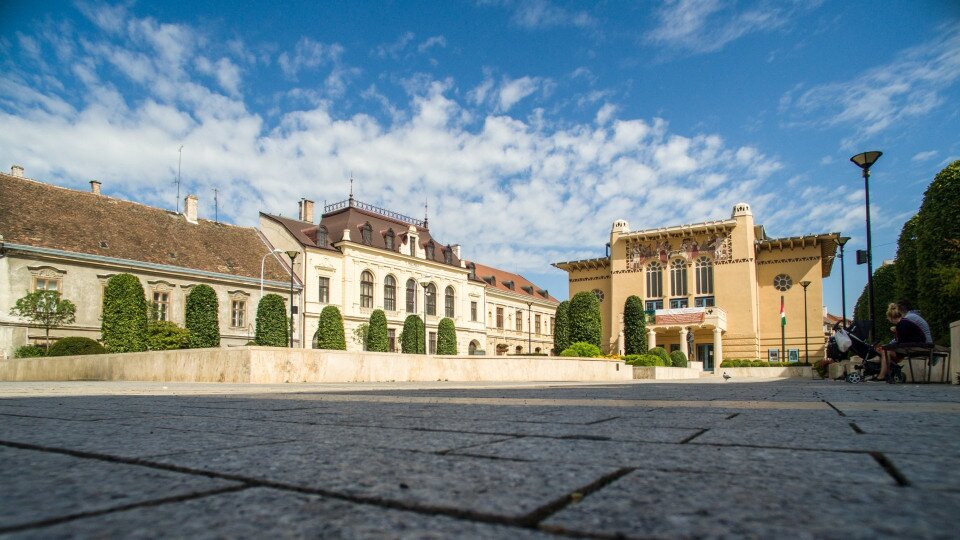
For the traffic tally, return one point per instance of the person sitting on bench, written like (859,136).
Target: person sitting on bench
(909,327)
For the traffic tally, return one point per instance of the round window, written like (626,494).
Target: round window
(782,282)
(599,294)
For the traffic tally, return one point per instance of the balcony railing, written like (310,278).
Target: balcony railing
(714,316)
(375,209)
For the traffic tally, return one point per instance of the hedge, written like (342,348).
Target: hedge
(938,253)
(330,333)
(906,265)
(884,292)
(584,318)
(634,326)
(75,345)
(583,350)
(411,337)
(166,335)
(202,319)
(678,359)
(446,337)
(561,327)
(662,353)
(648,360)
(273,327)
(377,338)
(735,362)
(124,323)
(29,351)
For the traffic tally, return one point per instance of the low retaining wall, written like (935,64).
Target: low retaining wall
(665,373)
(803,372)
(265,365)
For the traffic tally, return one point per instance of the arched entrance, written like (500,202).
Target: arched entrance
(472,348)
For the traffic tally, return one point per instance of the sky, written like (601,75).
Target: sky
(526,127)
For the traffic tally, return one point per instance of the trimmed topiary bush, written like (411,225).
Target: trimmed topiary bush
(634,326)
(662,353)
(29,351)
(411,338)
(446,337)
(646,360)
(273,327)
(75,345)
(202,320)
(583,350)
(678,359)
(938,253)
(561,327)
(584,318)
(884,292)
(166,336)
(330,333)
(906,265)
(124,323)
(377,338)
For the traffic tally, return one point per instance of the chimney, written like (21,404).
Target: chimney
(16,170)
(190,208)
(456,250)
(306,210)
(95,187)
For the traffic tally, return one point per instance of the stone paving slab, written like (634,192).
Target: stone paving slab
(39,486)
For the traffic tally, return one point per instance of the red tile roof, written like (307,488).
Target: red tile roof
(502,281)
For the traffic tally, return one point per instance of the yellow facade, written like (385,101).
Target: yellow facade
(717,282)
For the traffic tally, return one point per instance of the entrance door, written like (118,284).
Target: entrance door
(705,355)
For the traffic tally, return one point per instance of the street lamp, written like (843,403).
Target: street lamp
(866,160)
(424,286)
(293,255)
(806,337)
(843,283)
(262,261)
(529,329)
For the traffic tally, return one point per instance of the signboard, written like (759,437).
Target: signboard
(773,355)
(794,355)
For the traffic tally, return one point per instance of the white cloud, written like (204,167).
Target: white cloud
(924,156)
(541,14)
(512,91)
(308,54)
(226,73)
(433,41)
(393,50)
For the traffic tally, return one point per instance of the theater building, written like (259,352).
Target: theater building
(714,289)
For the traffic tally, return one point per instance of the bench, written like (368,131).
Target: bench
(932,354)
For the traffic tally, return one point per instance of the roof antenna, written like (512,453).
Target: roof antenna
(351,188)
(426,207)
(177,182)
(216,206)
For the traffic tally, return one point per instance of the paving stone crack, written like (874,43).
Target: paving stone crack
(694,436)
(535,517)
(891,469)
(841,413)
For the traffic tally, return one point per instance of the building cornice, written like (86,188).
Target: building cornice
(682,230)
(405,258)
(598,263)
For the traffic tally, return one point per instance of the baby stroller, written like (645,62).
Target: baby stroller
(851,341)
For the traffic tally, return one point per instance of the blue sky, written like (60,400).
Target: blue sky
(529,126)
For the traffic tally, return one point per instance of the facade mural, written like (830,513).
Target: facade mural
(639,253)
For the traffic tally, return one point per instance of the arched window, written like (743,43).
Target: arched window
(429,248)
(654,280)
(366,289)
(448,302)
(678,278)
(411,296)
(390,293)
(431,293)
(472,348)
(322,236)
(367,233)
(704,275)
(388,240)
(519,349)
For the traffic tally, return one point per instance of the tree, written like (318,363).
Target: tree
(46,309)
(330,333)
(273,327)
(360,335)
(938,259)
(634,326)
(583,318)
(411,338)
(561,327)
(202,320)
(377,339)
(906,264)
(446,337)
(124,324)
(884,292)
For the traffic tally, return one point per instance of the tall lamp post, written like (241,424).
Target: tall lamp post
(806,337)
(424,285)
(843,282)
(866,160)
(529,329)
(293,255)
(262,261)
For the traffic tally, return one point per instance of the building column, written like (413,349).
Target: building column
(717,347)
(683,341)
(651,338)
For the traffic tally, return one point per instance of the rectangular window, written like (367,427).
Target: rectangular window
(411,296)
(413,248)
(392,338)
(703,301)
(161,304)
(500,317)
(238,313)
(519,321)
(536,322)
(676,303)
(433,343)
(654,305)
(46,284)
(473,311)
(324,290)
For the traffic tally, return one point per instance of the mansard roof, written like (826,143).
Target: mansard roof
(504,281)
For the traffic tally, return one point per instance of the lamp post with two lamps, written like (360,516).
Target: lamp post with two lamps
(293,255)
(806,337)
(866,160)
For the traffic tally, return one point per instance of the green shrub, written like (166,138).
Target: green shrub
(884,292)
(124,323)
(759,363)
(583,350)
(906,264)
(662,353)
(330,333)
(202,320)
(938,253)
(411,337)
(561,327)
(75,345)
(678,359)
(377,338)
(29,351)
(166,335)
(634,326)
(273,326)
(646,360)
(583,318)
(446,337)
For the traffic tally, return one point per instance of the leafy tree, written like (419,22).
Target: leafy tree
(938,259)
(166,335)
(634,326)
(330,333)
(360,335)
(906,264)
(202,320)
(581,349)
(46,309)
(884,292)
(446,337)
(411,338)
(273,327)
(377,338)
(75,345)
(124,324)
(584,318)
(561,327)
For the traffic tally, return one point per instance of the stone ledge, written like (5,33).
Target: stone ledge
(803,372)
(665,373)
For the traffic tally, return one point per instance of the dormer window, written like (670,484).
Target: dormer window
(366,233)
(448,256)
(388,240)
(472,268)
(322,236)
(510,285)
(429,249)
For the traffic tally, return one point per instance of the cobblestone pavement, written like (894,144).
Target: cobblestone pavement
(790,459)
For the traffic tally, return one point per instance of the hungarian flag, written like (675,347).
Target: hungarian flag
(783,313)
